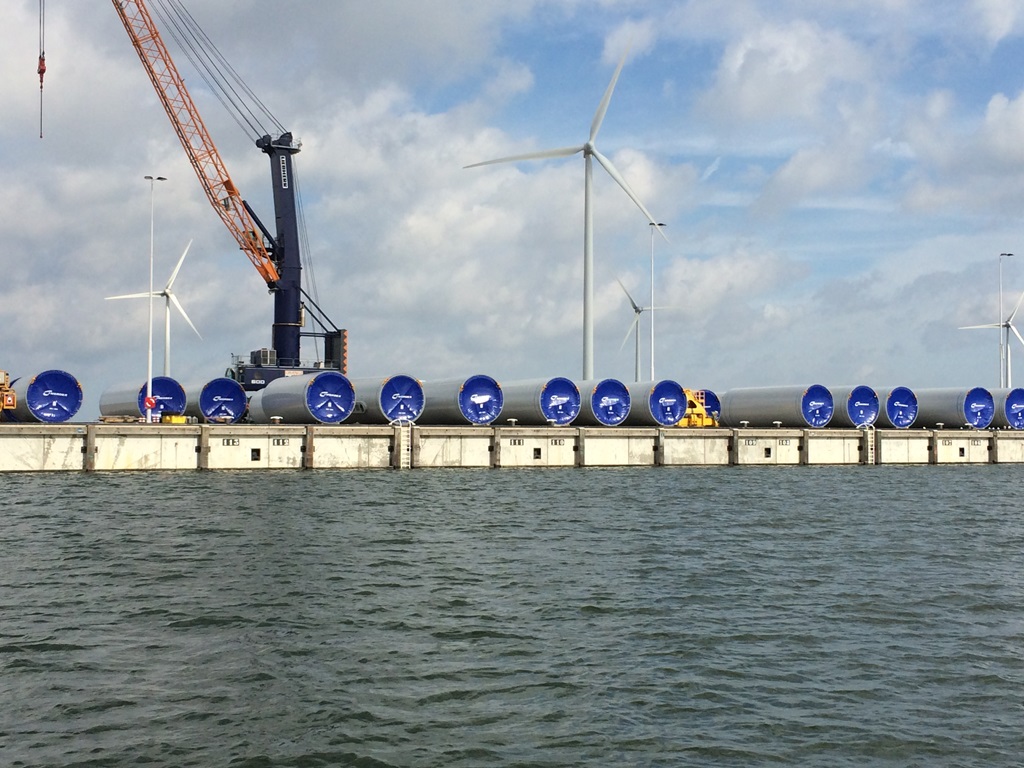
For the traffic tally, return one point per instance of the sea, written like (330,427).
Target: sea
(658,616)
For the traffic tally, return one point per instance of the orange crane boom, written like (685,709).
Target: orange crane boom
(207,162)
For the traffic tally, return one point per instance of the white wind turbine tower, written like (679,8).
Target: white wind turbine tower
(589,151)
(1006,327)
(169,298)
(635,325)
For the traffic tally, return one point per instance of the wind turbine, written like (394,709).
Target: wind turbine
(169,298)
(637,311)
(1006,326)
(589,151)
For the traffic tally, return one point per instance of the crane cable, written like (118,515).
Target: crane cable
(235,96)
(41,67)
(215,70)
(240,101)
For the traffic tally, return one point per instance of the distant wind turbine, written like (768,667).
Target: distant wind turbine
(635,325)
(169,298)
(589,151)
(1006,326)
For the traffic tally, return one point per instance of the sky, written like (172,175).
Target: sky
(837,182)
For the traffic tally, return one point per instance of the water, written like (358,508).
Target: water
(805,616)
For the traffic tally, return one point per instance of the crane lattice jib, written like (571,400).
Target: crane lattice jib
(199,147)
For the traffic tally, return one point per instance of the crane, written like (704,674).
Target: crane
(277,256)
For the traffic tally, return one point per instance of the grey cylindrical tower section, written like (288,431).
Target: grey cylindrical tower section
(537,402)
(793,406)
(130,400)
(854,406)
(474,400)
(1009,404)
(955,408)
(51,397)
(656,403)
(325,397)
(897,408)
(603,403)
(392,400)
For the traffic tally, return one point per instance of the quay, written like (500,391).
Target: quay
(97,447)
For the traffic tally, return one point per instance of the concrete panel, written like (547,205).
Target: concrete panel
(903,446)
(961,447)
(350,447)
(142,447)
(833,446)
(766,446)
(536,447)
(695,447)
(463,447)
(254,447)
(1008,447)
(41,447)
(617,447)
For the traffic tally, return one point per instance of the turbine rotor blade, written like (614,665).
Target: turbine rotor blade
(602,108)
(636,319)
(1012,314)
(1017,333)
(972,327)
(177,304)
(134,296)
(635,307)
(607,165)
(177,267)
(543,155)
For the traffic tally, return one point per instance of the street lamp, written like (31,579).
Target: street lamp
(1004,332)
(653,227)
(149,356)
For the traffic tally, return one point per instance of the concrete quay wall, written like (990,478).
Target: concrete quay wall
(114,447)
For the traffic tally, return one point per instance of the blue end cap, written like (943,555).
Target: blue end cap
(168,394)
(560,401)
(901,407)
(862,406)
(222,399)
(1014,408)
(330,397)
(481,399)
(712,403)
(610,402)
(401,398)
(817,406)
(979,407)
(667,402)
(53,396)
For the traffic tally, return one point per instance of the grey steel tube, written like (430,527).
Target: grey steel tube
(789,406)
(954,408)
(538,402)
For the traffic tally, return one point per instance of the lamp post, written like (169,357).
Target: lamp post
(149,355)
(1004,332)
(653,227)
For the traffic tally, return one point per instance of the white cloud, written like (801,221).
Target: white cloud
(999,18)
(782,71)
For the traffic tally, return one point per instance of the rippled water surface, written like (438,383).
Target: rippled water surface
(633,617)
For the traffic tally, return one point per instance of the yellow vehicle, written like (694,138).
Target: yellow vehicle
(696,414)
(7,397)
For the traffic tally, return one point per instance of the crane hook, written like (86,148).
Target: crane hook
(41,67)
